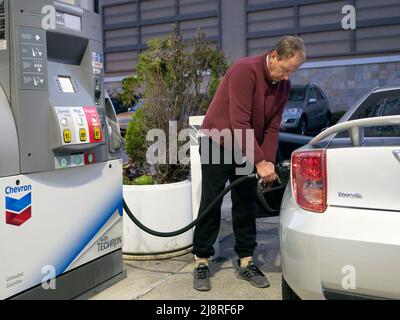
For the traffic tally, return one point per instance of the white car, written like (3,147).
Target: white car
(340,213)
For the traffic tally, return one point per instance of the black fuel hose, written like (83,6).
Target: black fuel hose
(260,197)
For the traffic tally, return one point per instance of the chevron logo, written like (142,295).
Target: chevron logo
(18,211)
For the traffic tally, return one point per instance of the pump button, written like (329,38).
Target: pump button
(67,136)
(63,162)
(78,160)
(90,158)
(83,135)
(64,122)
(97,133)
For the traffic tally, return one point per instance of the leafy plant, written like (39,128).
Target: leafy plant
(178,80)
(127,94)
(135,138)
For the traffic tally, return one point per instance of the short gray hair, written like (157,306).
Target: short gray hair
(289,46)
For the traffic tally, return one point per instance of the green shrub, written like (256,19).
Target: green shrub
(135,145)
(178,80)
(127,95)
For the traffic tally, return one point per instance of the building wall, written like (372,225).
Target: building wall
(249,27)
(233,22)
(129,24)
(344,85)
(319,23)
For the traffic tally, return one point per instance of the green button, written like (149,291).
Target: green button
(77,160)
(64,162)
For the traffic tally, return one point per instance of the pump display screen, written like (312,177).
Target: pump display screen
(72,22)
(66,84)
(69,21)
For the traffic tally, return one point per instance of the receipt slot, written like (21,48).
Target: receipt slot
(61,167)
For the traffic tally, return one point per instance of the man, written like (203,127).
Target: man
(251,96)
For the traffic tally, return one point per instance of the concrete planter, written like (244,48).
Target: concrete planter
(164,208)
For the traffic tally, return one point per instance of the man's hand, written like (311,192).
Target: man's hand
(266,171)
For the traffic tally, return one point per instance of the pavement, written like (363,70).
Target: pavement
(171,279)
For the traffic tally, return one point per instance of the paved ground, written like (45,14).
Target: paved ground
(171,279)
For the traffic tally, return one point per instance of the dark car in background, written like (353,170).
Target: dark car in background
(118,106)
(307,109)
(125,117)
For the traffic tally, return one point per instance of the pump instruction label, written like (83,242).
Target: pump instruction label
(3,44)
(97,60)
(33,58)
(79,125)
(93,120)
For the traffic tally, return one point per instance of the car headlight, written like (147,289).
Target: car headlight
(292,113)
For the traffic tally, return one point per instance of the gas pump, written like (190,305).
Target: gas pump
(60,163)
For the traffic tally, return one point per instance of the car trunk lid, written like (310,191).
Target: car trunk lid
(364,177)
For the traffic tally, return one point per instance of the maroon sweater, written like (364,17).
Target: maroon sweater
(247,99)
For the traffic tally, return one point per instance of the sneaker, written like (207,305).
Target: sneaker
(201,278)
(252,274)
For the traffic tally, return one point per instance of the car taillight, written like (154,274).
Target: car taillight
(309,180)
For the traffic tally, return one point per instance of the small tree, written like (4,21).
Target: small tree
(179,80)
(127,94)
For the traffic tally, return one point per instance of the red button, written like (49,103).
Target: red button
(90,158)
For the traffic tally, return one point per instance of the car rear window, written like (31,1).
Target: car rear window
(378,104)
(297,94)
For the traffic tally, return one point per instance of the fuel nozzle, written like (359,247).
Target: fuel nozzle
(267,186)
(267,193)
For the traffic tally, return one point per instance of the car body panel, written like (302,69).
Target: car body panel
(310,108)
(323,108)
(319,251)
(299,242)
(363,244)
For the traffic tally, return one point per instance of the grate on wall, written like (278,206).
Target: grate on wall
(2,21)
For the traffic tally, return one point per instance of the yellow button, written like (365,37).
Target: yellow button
(97,133)
(67,136)
(83,135)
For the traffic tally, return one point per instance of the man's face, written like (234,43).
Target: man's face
(282,69)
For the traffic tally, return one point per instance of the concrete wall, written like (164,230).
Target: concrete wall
(344,85)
